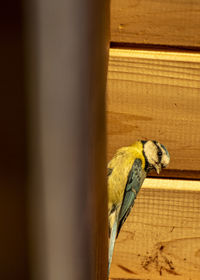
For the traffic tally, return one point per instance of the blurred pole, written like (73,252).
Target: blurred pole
(66,62)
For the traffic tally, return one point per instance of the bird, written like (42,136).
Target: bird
(126,172)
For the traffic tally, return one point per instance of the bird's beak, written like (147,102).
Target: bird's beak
(158,168)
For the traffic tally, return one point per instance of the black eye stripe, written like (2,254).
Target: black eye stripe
(159,152)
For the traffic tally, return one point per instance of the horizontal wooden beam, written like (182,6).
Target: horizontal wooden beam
(169,184)
(172,23)
(156,95)
(161,237)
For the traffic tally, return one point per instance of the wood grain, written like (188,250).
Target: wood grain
(174,23)
(161,237)
(156,95)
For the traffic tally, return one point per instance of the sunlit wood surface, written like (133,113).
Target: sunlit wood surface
(161,237)
(172,23)
(156,95)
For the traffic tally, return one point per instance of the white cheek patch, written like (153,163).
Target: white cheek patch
(150,151)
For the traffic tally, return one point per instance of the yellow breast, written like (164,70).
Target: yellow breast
(121,165)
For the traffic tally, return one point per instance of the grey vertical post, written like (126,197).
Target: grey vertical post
(66,62)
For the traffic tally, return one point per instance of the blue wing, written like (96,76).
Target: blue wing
(134,182)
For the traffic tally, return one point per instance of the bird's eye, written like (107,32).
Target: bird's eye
(159,153)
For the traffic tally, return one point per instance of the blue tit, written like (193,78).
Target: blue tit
(126,173)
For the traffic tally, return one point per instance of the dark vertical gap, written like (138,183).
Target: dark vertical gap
(13,171)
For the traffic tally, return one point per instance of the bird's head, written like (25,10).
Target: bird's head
(156,155)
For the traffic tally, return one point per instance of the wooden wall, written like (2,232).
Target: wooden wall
(157,22)
(156,95)
(153,92)
(161,238)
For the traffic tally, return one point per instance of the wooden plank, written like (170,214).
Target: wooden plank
(161,237)
(156,95)
(174,23)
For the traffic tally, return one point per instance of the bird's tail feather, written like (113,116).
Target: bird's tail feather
(112,244)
